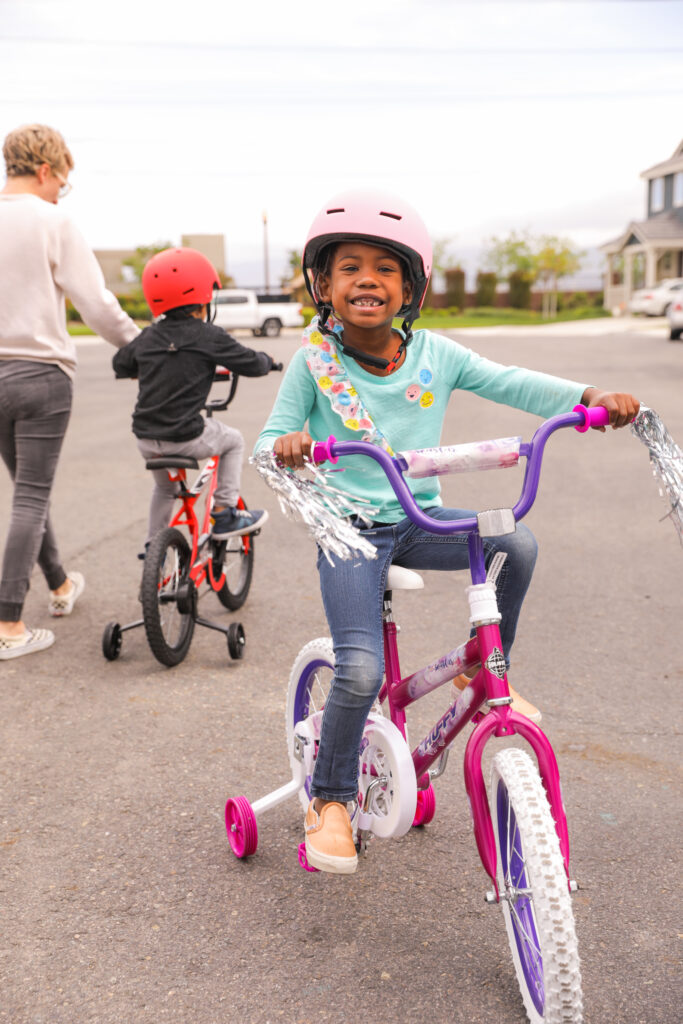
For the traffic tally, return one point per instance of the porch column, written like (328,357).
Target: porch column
(650,267)
(628,274)
(607,286)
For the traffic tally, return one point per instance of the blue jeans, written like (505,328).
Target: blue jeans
(352,596)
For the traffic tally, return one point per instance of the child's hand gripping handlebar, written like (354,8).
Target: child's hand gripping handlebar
(598,416)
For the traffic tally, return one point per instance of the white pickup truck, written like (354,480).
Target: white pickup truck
(239,307)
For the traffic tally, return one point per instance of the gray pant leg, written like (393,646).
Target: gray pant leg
(216,439)
(164,491)
(229,444)
(35,405)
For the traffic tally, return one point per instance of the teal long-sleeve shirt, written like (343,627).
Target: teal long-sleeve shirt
(409,407)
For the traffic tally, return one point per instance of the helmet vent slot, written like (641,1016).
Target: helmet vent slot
(338,210)
(393,216)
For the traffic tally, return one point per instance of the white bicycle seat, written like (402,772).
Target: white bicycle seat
(399,578)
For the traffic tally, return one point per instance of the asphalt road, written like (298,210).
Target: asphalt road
(120,899)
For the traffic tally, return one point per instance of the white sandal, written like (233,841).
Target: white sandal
(63,604)
(27,643)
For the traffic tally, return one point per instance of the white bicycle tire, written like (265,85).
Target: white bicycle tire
(545,877)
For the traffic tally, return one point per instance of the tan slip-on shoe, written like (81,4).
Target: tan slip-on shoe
(27,643)
(519,703)
(63,604)
(329,839)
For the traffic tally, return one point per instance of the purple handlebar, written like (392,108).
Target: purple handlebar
(598,416)
(580,417)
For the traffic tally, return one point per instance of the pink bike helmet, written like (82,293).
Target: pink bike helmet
(380,219)
(178,277)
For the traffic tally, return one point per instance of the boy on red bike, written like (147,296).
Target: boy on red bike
(175,360)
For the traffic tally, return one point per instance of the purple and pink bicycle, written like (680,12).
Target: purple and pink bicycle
(520,825)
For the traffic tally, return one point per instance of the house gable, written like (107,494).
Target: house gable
(670,166)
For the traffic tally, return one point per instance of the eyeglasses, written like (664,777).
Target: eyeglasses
(66,186)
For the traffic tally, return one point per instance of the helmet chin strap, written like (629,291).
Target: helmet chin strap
(365,357)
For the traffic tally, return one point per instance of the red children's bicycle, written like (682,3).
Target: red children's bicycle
(180,567)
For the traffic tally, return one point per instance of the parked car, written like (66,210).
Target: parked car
(656,300)
(240,307)
(675,317)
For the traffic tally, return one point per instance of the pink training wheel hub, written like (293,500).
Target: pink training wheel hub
(426,807)
(240,824)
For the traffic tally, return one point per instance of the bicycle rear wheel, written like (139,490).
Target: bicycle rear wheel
(534,892)
(235,558)
(168,597)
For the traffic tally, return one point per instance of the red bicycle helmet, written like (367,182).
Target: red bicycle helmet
(178,277)
(379,219)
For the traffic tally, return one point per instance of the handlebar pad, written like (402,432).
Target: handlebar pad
(598,416)
(460,458)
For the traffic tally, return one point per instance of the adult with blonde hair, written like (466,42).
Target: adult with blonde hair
(43,258)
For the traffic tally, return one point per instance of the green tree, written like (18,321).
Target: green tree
(512,259)
(554,259)
(455,287)
(514,253)
(143,254)
(519,290)
(486,289)
(294,267)
(442,260)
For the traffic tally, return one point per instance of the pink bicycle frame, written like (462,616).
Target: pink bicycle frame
(489,686)
(500,721)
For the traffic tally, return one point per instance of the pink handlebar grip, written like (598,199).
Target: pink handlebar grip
(598,416)
(321,450)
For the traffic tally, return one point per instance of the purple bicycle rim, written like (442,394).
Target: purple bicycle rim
(301,700)
(523,920)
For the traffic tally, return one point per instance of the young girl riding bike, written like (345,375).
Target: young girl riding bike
(367,260)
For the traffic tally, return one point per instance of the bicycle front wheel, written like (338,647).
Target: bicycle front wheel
(168,597)
(534,892)
(235,558)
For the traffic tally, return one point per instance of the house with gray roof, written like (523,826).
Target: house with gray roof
(649,250)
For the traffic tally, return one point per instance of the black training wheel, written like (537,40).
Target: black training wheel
(111,641)
(236,640)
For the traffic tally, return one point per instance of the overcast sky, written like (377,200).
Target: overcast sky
(197,116)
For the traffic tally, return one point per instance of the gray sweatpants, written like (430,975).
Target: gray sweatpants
(216,439)
(35,405)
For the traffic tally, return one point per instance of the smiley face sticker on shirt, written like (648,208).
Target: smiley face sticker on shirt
(426,399)
(413,392)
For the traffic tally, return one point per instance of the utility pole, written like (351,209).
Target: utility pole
(266,273)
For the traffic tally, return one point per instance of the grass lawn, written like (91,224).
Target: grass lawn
(481,317)
(76,330)
(491,317)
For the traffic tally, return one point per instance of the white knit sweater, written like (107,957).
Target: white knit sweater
(43,258)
